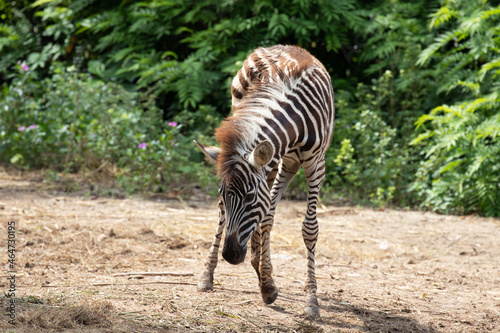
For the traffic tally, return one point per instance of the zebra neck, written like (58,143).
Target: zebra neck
(245,129)
(240,153)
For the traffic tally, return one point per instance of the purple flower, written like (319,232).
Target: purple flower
(32,127)
(142,145)
(23,66)
(22,128)
(172,123)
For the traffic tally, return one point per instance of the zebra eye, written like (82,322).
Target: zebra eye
(250,196)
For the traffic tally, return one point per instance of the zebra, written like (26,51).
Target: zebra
(283,118)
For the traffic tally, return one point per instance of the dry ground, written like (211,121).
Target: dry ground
(378,271)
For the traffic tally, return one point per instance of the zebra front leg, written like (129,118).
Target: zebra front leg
(255,246)
(287,169)
(256,240)
(268,289)
(207,277)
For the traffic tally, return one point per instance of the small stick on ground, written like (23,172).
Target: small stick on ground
(154,274)
(246,317)
(244,302)
(120,284)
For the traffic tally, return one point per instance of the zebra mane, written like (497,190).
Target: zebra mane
(239,134)
(266,75)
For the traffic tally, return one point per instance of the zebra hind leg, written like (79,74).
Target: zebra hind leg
(310,230)
(310,235)
(207,277)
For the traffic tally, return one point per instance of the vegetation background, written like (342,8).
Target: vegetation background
(91,85)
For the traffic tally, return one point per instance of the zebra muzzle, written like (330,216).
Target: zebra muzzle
(232,252)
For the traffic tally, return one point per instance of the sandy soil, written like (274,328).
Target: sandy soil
(378,271)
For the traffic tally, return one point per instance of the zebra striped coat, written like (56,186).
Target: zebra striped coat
(283,118)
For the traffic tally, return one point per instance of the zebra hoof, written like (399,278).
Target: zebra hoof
(312,311)
(205,286)
(270,294)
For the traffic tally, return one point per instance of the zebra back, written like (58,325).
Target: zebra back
(266,64)
(281,94)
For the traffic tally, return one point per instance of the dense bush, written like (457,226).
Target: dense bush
(92,83)
(70,122)
(461,169)
(183,52)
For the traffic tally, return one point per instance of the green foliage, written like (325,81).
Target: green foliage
(100,81)
(397,35)
(71,122)
(185,50)
(373,163)
(461,173)
(369,161)
(71,116)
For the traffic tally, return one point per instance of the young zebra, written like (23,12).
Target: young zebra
(283,116)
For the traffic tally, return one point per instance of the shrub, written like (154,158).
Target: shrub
(461,170)
(69,120)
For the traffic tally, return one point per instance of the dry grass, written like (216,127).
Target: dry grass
(91,313)
(99,264)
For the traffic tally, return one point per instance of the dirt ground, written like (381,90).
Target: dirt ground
(377,271)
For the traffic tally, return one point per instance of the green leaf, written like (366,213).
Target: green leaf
(421,137)
(42,2)
(17,159)
(96,67)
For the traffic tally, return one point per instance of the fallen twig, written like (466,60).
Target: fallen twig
(121,284)
(244,302)
(246,317)
(337,211)
(154,274)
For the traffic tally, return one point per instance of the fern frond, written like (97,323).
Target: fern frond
(447,109)
(421,137)
(473,106)
(489,13)
(444,14)
(480,156)
(489,128)
(43,2)
(471,25)
(450,166)
(441,40)
(495,63)
(423,119)
(166,71)
(473,87)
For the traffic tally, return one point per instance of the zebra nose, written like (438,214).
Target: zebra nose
(232,252)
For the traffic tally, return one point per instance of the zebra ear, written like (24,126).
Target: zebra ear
(211,153)
(262,154)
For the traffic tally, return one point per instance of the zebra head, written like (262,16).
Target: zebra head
(244,196)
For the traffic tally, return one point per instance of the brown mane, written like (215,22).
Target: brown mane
(265,70)
(228,135)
